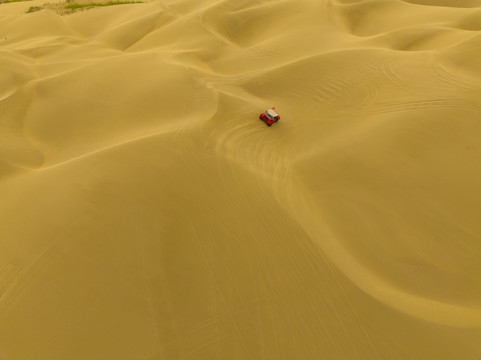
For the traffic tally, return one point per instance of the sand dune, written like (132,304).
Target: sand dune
(147,213)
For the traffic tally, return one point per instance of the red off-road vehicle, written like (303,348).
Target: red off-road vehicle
(270,117)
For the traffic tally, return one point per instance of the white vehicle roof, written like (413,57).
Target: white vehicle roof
(272,113)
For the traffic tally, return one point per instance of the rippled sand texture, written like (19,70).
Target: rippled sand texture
(147,213)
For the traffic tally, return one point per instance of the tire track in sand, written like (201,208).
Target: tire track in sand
(18,278)
(208,268)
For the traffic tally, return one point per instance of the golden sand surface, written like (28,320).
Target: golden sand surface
(146,213)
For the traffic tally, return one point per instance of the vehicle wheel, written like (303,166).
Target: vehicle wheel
(269,124)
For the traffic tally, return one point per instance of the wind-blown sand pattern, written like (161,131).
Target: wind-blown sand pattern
(147,213)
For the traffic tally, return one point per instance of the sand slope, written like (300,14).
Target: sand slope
(146,212)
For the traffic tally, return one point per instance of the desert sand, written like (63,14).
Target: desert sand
(147,213)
